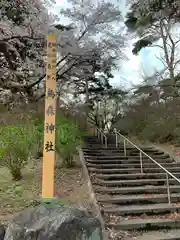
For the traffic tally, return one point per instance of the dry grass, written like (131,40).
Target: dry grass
(15,196)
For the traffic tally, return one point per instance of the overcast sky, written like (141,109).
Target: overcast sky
(131,69)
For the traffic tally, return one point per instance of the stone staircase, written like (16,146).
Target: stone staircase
(130,200)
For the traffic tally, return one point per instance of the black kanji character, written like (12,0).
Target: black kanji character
(50,111)
(49,66)
(50,128)
(49,146)
(51,93)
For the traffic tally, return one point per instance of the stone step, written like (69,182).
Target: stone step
(98,144)
(159,235)
(128,149)
(105,157)
(122,165)
(136,200)
(140,199)
(131,170)
(137,190)
(100,147)
(118,156)
(100,150)
(127,161)
(110,170)
(163,156)
(103,153)
(104,166)
(154,153)
(149,223)
(147,150)
(120,145)
(134,176)
(132,149)
(137,182)
(145,209)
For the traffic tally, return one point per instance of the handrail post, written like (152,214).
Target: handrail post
(124,147)
(141,161)
(101,137)
(106,142)
(168,190)
(116,136)
(95,131)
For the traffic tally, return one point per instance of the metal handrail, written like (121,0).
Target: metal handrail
(141,153)
(102,136)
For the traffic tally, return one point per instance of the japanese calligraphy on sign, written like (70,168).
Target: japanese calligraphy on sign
(51,44)
(50,93)
(53,77)
(50,119)
(49,66)
(50,110)
(49,146)
(50,128)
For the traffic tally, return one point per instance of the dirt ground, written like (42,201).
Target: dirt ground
(70,187)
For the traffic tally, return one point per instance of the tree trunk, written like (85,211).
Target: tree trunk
(169,57)
(87,101)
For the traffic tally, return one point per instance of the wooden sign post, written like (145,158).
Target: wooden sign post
(50,120)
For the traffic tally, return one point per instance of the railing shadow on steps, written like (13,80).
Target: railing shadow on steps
(118,136)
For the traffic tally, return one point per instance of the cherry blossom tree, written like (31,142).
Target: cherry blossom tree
(23,28)
(91,43)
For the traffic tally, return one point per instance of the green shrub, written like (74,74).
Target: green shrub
(39,124)
(17,144)
(68,137)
